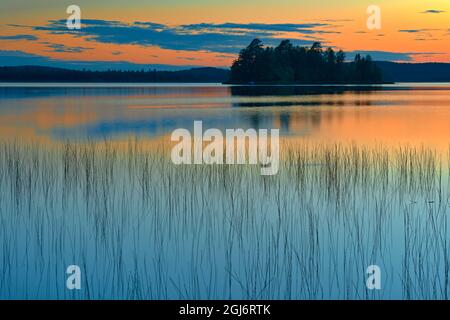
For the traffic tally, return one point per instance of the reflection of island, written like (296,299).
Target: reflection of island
(305,90)
(286,63)
(98,112)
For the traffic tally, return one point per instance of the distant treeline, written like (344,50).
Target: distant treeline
(415,72)
(295,64)
(391,71)
(49,74)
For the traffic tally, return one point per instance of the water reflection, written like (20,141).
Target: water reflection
(300,90)
(390,114)
(144,228)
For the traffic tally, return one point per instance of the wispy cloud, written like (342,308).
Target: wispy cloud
(424,34)
(433,11)
(58,47)
(20,58)
(28,37)
(253,27)
(382,55)
(416,30)
(426,39)
(221,38)
(391,56)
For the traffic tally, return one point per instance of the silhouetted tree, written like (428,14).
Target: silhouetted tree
(284,71)
(294,64)
(246,67)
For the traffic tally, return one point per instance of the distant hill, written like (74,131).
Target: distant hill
(414,72)
(392,72)
(49,74)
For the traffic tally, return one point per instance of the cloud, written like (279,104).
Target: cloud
(420,32)
(28,37)
(254,27)
(20,58)
(221,38)
(433,11)
(410,30)
(423,34)
(338,20)
(58,47)
(426,39)
(381,55)
(187,58)
(390,56)
(11,58)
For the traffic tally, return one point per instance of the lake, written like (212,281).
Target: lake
(391,114)
(86,179)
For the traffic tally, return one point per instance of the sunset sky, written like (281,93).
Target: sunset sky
(169,34)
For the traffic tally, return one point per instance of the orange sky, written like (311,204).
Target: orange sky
(425,36)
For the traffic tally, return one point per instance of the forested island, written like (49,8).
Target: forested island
(285,64)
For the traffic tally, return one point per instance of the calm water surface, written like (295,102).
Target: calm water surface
(390,114)
(367,182)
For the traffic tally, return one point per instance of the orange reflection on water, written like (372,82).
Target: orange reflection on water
(414,116)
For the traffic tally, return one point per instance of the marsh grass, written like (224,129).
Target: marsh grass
(142,228)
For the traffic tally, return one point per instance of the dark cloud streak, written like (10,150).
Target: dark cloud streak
(433,11)
(221,38)
(28,37)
